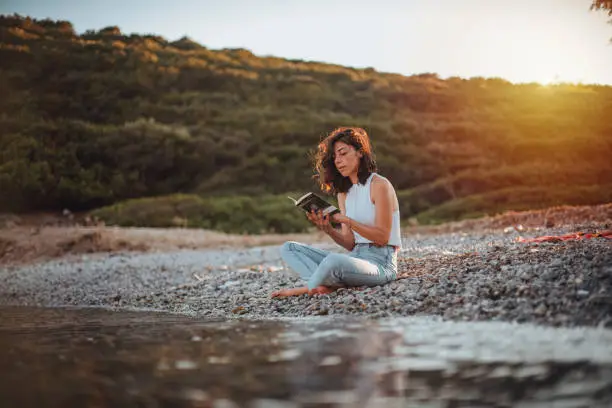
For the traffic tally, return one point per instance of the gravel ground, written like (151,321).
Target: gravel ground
(459,276)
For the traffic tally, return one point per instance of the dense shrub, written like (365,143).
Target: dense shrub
(235,214)
(524,198)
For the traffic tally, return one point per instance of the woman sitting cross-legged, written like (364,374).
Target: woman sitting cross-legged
(369,218)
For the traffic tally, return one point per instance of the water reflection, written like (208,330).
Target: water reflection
(93,357)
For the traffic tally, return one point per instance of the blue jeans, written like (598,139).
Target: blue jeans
(365,265)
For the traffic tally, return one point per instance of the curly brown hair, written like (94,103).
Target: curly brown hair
(329,178)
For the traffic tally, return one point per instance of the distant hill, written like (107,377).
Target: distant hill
(90,120)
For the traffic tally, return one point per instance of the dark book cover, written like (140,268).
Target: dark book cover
(312,201)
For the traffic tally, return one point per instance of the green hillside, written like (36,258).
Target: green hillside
(92,120)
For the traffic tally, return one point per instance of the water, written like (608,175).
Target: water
(94,358)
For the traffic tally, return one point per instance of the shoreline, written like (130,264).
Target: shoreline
(457,276)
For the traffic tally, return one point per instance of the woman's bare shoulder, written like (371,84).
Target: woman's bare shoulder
(382,187)
(381,182)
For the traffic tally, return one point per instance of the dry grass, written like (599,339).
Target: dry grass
(550,217)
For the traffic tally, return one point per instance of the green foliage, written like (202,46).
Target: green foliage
(235,214)
(605,5)
(95,119)
(472,182)
(525,198)
(79,165)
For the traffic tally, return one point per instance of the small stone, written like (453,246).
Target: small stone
(582,293)
(539,371)
(185,365)
(323,311)
(224,403)
(330,361)
(218,360)
(500,372)
(239,310)
(194,394)
(550,275)
(285,355)
(540,310)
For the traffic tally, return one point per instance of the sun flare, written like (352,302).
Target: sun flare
(549,80)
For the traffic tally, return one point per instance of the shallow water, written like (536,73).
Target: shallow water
(96,357)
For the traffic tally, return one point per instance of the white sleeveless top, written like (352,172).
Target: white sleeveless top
(360,208)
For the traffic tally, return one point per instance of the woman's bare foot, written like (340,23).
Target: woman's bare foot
(290,292)
(319,290)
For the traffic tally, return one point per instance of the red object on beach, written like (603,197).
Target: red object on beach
(567,237)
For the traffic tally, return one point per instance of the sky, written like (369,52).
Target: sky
(544,41)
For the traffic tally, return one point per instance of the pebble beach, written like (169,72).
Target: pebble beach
(459,276)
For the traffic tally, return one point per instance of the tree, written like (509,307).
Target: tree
(605,5)
(602,5)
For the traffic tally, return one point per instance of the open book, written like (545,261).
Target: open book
(311,201)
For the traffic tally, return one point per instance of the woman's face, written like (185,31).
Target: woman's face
(346,158)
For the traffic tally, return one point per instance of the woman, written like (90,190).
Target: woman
(369,218)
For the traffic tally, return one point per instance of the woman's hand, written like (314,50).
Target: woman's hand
(320,220)
(340,218)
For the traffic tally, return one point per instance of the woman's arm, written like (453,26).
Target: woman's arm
(344,237)
(383,197)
